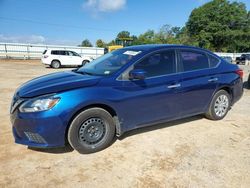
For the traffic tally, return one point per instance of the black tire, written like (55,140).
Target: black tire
(84,135)
(55,64)
(248,82)
(84,62)
(215,108)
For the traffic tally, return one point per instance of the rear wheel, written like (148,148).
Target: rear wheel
(55,64)
(91,131)
(219,106)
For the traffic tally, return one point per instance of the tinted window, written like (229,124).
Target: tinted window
(160,63)
(62,52)
(192,60)
(213,61)
(44,52)
(58,52)
(53,52)
(75,54)
(69,53)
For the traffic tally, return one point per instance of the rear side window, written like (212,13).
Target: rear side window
(193,60)
(58,52)
(54,52)
(61,52)
(158,64)
(214,61)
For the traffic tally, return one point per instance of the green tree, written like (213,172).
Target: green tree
(220,25)
(100,43)
(146,38)
(86,43)
(123,34)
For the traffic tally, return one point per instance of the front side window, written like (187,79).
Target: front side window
(193,60)
(69,53)
(75,54)
(158,64)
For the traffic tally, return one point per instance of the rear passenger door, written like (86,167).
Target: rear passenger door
(198,81)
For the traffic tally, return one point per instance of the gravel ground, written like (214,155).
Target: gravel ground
(192,152)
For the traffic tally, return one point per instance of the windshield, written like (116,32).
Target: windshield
(109,63)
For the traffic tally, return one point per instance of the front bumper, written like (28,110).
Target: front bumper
(41,129)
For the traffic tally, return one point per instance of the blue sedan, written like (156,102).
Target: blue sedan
(123,90)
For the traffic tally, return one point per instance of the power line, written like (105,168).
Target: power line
(54,24)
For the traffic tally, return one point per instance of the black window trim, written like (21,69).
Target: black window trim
(119,78)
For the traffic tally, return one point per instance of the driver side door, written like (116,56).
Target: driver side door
(155,98)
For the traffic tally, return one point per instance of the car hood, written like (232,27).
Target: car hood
(56,82)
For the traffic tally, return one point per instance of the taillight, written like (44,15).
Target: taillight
(45,56)
(239,72)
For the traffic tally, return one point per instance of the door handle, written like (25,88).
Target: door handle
(174,86)
(213,80)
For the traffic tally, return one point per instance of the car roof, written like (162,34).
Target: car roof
(153,47)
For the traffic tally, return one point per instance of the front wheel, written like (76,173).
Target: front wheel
(91,131)
(219,106)
(84,62)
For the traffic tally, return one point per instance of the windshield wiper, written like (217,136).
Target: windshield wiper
(82,72)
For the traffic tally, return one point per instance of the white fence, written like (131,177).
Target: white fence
(34,51)
(232,55)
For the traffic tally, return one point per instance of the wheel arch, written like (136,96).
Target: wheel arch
(55,60)
(87,60)
(228,89)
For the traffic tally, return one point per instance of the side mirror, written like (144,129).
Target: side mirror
(137,74)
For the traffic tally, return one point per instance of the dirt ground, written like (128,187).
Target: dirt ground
(193,152)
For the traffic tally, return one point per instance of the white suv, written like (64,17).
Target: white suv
(58,58)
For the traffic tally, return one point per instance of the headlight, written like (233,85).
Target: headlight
(39,104)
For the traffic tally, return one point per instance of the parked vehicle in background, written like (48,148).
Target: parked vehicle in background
(248,81)
(58,58)
(243,59)
(229,59)
(129,88)
(119,43)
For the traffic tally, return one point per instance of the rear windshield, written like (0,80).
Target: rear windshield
(44,52)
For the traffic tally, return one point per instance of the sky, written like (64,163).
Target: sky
(68,22)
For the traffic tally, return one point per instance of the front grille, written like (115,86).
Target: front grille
(34,137)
